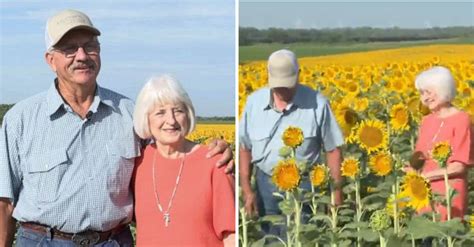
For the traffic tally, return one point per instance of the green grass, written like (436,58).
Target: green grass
(262,51)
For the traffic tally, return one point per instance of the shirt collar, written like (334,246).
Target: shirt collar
(56,102)
(296,102)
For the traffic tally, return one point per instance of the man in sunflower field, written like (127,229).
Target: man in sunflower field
(268,113)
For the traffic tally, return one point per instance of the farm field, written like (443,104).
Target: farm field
(205,132)
(262,51)
(375,102)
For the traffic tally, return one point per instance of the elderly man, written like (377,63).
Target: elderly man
(67,155)
(268,112)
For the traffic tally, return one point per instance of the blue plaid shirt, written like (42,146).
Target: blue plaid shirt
(66,172)
(261,127)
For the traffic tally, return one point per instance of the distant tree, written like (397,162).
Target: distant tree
(250,35)
(3,109)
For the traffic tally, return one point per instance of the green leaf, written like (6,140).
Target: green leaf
(393,241)
(374,206)
(346,212)
(324,199)
(452,227)
(421,227)
(346,242)
(368,235)
(278,194)
(273,218)
(345,218)
(323,218)
(259,243)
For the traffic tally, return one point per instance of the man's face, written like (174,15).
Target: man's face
(76,58)
(284,93)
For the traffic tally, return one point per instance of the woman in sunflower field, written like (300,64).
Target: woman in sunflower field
(181,197)
(449,125)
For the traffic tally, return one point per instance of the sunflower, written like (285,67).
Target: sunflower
(319,175)
(399,117)
(286,175)
(380,220)
(361,104)
(372,135)
(417,189)
(347,119)
(293,137)
(441,152)
(381,164)
(402,204)
(350,167)
(352,88)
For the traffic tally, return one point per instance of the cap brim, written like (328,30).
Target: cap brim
(93,30)
(288,82)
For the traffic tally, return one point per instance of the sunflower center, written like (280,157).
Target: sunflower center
(350,117)
(401,116)
(418,189)
(371,136)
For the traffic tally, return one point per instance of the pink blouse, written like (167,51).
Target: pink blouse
(456,129)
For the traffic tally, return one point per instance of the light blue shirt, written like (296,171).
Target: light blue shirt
(69,173)
(261,127)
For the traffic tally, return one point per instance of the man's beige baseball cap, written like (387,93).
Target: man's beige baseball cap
(65,21)
(283,69)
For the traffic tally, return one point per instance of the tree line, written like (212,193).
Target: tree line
(3,109)
(251,35)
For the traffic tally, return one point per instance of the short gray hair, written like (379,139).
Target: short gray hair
(440,79)
(160,90)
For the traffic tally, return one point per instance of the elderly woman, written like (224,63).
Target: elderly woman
(181,197)
(444,123)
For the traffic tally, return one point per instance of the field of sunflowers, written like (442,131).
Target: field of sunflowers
(205,132)
(373,97)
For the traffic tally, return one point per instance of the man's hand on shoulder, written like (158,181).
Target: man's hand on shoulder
(219,146)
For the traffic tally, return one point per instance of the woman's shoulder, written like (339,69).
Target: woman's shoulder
(459,118)
(199,154)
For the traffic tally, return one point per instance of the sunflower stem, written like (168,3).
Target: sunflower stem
(333,214)
(297,221)
(382,240)
(244,228)
(448,202)
(396,223)
(314,204)
(288,223)
(358,209)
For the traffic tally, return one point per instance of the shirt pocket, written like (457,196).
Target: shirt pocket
(121,161)
(46,173)
(311,145)
(260,148)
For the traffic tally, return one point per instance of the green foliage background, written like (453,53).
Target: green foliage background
(3,109)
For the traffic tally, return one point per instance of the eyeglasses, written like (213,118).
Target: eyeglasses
(91,48)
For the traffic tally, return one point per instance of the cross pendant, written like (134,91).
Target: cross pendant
(166,217)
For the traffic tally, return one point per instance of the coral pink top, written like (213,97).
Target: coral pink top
(202,212)
(456,129)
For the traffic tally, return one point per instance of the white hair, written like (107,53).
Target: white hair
(160,90)
(440,79)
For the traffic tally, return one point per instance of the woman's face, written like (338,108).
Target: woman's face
(168,123)
(431,99)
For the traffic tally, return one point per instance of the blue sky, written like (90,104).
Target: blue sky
(330,14)
(192,40)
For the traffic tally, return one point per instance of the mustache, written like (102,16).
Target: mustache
(89,64)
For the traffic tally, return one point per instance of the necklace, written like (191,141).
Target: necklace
(437,132)
(166,214)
